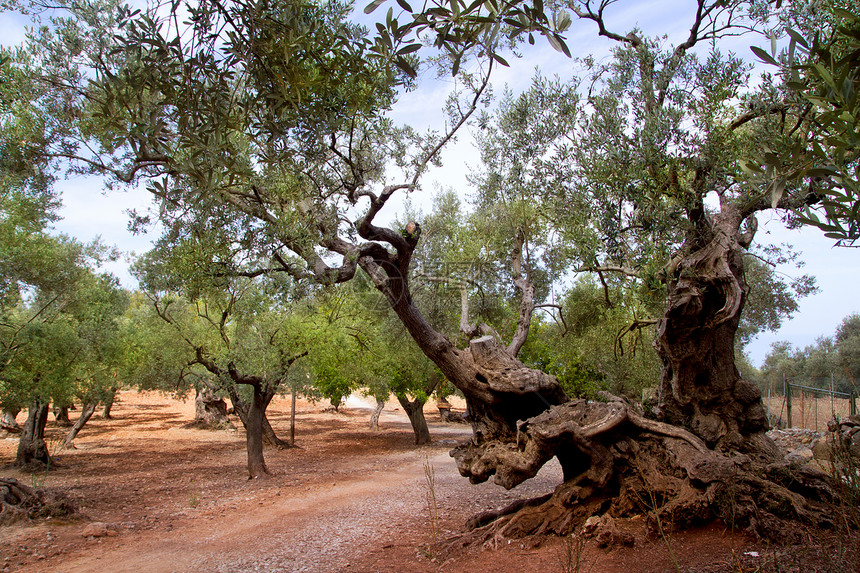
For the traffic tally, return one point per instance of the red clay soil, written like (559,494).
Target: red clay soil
(159,497)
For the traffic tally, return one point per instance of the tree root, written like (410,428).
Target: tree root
(19,502)
(618,463)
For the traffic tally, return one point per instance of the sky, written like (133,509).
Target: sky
(89,213)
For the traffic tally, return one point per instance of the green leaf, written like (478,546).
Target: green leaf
(777,190)
(558,44)
(408,49)
(798,38)
(764,56)
(750,168)
(564,21)
(405,67)
(373,6)
(405,5)
(501,60)
(843,13)
(822,172)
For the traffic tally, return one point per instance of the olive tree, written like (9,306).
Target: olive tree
(267,120)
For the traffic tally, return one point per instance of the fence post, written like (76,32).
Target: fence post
(852,403)
(768,403)
(787,391)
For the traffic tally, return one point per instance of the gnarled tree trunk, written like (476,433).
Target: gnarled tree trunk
(701,388)
(241,409)
(613,458)
(617,462)
(7,420)
(254,433)
(19,502)
(210,410)
(32,449)
(108,404)
(61,416)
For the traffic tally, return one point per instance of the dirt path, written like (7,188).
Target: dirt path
(350,499)
(301,531)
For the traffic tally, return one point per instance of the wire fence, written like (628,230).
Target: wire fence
(801,406)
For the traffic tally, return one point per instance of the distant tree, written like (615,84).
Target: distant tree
(234,331)
(848,349)
(61,346)
(101,349)
(782,362)
(266,121)
(830,362)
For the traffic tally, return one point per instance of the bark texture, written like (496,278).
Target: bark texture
(241,409)
(254,434)
(108,404)
(713,460)
(61,416)
(87,412)
(210,410)
(374,417)
(19,502)
(415,412)
(32,449)
(8,421)
(701,388)
(617,462)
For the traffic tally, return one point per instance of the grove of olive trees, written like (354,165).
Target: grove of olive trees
(263,131)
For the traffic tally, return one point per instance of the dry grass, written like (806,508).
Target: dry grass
(807,410)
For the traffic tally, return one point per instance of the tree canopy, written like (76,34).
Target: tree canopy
(262,129)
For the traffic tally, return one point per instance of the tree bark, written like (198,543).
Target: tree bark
(415,411)
(613,459)
(109,404)
(701,388)
(499,389)
(19,502)
(293,418)
(86,413)
(617,462)
(8,422)
(32,449)
(61,416)
(270,438)
(374,417)
(254,433)
(210,411)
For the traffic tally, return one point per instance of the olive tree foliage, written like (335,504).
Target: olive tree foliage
(657,149)
(339,333)
(819,64)
(226,334)
(62,346)
(205,115)
(234,334)
(648,179)
(600,346)
(773,297)
(391,362)
(58,314)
